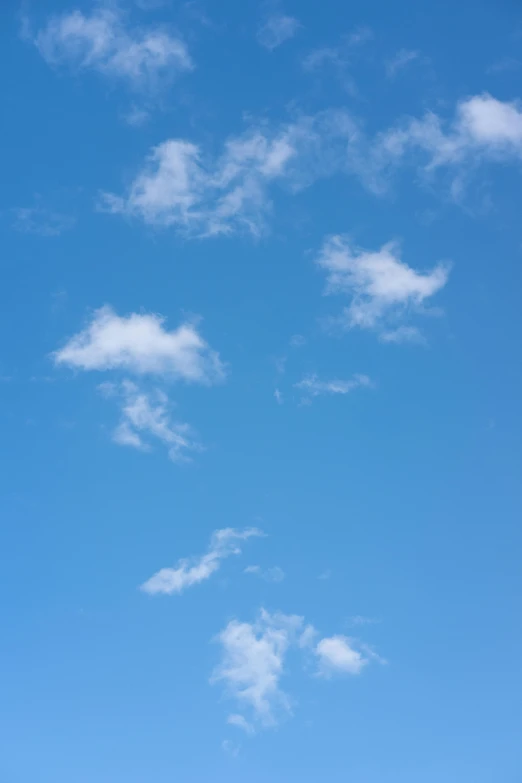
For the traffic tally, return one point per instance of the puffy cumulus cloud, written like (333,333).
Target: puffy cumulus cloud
(146,416)
(277,29)
(255,660)
(141,344)
(338,654)
(381,286)
(188,572)
(176,188)
(482,129)
(253,664)
(102,41)
(492,124)
(313,386)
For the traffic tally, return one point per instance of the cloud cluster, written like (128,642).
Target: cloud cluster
(382,288)
(482,129)
(140,343)
(178,188)
(102,41)
(201,195)
(189,572)
(254,658)
(181,187)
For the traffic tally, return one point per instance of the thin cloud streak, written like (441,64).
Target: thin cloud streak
(189,572)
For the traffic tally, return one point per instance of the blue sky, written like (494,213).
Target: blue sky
(261,391)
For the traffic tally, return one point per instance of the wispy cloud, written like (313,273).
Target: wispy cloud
(136,116)
(403,334)
(338,55)
(103,41)
(40,221)
(179,186)
(359,619)
(188,572)
(141,344)
(339,59)
(146,415)
(241,723)
(313,387)
(397,63)
(230,748)
(382,288)
(273,574)
(277,29)
(505,64)
(482,129)
(254,663)
(176,188)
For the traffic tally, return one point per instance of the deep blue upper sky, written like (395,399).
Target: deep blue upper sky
(260,376)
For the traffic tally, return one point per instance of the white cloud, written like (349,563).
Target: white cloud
(241,723)
(490,123)
(278,396)
(181,187)
(276,30)
(483,128)
(253,664)
(139,343)
(103,42)
(381,286)
(146,415)
(359,619)
(403,58)
(274,574)
(338,655)
(314,387)
(402,334)
(189,572)
(178,188)
(307,637)
(136,116)
(255,661)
